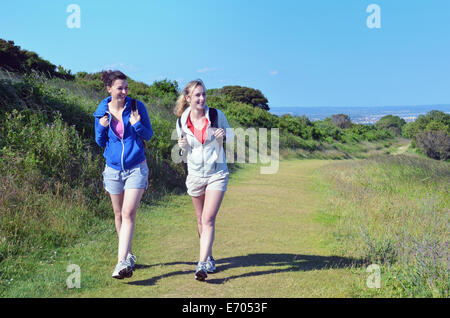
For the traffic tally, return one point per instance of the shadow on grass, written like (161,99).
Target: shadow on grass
(278,263)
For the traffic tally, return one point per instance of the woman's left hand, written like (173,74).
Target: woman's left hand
(135,117)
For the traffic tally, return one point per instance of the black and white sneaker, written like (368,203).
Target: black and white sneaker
(210,264)
(200,271)
(123,270)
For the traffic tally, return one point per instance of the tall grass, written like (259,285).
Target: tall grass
(394,211)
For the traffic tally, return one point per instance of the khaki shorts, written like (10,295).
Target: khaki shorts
(196,186)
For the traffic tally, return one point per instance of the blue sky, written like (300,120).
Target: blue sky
(298,53)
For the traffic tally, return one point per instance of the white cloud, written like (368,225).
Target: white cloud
(207,70)
(273,72)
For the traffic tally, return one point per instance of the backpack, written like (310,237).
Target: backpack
(214,124)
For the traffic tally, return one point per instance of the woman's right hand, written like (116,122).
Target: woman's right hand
(104,121)
(182,143)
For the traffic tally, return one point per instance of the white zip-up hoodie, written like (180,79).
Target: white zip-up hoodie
(204,160)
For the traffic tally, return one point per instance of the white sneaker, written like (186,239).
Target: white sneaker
(132,259)
(123,270)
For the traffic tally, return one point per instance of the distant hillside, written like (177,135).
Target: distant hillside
(15,59)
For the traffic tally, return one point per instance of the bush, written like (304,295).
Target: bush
(436,144)
(29,143)
(249,116)
(296,125)
(433,120)
(391,123)
(291,141)
(245,95)
(341,120)
(325,130)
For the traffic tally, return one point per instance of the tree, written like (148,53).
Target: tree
(166,86)
(11,58)
(391,123)
(246,95)
(433,120)
(341,121)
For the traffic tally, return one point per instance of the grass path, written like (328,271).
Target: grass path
(271,241)
(404,145)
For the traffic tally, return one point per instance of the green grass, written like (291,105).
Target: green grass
(297,233)
(393,211)
(267,246)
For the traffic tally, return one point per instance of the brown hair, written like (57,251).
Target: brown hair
(181,104)
(108,77)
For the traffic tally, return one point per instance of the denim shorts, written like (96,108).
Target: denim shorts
(196,186)
(116,181)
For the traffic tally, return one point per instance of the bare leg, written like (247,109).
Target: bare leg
(213,199)
(117,202)
(131,200)
(198,206)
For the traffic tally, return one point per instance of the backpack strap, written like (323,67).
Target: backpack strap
(133,109)
(213,117)
(180,152)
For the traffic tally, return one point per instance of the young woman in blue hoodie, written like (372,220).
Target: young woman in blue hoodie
(121,130)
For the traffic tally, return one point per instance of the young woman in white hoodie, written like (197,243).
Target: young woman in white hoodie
(207,177)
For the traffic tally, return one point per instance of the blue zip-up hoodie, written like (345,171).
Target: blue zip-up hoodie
(123,154)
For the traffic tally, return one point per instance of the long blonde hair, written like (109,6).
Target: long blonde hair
(181,104)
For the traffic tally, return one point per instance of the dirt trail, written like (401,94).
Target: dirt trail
(404,146)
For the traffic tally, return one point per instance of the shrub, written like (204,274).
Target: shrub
(433,120)
(325,128)
(245,95)
(341,120)
(392,123)
(436,144)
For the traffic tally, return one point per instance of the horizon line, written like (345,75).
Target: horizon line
(420,105)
